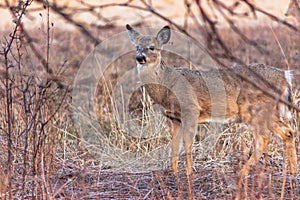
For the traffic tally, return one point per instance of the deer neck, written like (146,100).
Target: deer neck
(149,73)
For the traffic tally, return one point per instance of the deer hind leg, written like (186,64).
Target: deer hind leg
(287,136)
(291,154)
(261,144)
(175,146)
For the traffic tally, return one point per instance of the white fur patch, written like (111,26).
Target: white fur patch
(139,67)
(289,76)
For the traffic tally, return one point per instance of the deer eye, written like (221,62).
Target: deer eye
(152,48)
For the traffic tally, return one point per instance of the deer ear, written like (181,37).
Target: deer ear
(164,35)
(133,34)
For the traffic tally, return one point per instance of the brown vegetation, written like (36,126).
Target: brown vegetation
(43,156)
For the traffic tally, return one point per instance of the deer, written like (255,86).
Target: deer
(185,97)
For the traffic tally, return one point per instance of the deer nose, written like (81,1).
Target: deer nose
(140,59)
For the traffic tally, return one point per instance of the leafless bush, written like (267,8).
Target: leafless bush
(31,111)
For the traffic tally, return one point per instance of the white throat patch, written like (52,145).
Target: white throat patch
(139,67)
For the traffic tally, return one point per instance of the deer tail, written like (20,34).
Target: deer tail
(285,111)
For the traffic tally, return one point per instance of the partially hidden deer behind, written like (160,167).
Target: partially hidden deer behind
(186,100)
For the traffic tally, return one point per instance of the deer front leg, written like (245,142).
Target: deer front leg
(189,132)
(188,145)
(175,146)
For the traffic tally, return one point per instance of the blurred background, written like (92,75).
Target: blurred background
(120,15)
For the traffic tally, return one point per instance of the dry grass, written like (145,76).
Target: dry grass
(52,160)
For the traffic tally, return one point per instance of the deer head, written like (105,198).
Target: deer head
(148,48)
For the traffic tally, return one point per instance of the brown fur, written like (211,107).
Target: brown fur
(186,98)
